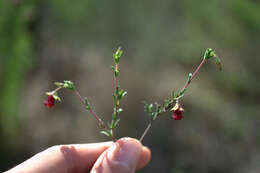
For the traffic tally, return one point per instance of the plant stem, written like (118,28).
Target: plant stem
(57,89)
(194,74)
(116,88)
(115,78)
(79,96)
(99,121)
(145,132)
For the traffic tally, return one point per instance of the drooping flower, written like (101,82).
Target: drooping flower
(50,101)
(177,112)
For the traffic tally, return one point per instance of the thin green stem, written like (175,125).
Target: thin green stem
(146,131)
(116,101)
(57,89)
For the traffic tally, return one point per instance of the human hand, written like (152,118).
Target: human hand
(124,156)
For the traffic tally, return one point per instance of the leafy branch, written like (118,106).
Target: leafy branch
(171,104)
(118,94)
(154,110)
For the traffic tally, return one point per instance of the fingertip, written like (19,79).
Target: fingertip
(145,154)
(144,158)
(122,157)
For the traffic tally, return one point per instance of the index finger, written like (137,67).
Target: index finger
(63,158)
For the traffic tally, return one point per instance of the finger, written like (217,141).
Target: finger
(64,158)
(122,157)
(144,158)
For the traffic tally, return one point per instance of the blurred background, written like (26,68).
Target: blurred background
(54,40)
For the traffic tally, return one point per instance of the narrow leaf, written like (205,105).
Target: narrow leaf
(105,133)
(119,110)
(68,84)
(87,106)
(218,63)
(116,122)
(124,93)
(58,84)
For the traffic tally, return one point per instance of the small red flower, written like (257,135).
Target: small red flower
(177,112)
(50,101)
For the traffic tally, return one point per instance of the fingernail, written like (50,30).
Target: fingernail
(125,154)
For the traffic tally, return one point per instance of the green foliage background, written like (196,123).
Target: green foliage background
(46,41)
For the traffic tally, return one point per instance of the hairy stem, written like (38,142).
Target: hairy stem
(99,121)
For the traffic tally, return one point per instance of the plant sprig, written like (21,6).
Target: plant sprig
(172,103)
(118,94)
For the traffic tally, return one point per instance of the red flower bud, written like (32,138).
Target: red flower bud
(50,101)
(177,112)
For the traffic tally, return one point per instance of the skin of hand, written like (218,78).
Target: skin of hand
(124,156)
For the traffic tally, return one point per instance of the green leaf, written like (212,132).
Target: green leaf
(111,132)
(167,104)
(109,125)
(114,98)
(218,63)
(106,132)
(119,110)
(154,115)
(124,93)
(116,122)
(56,97)
(150,108)
(189,77)
(58,84)
(116,72)
(173,94)
(183,91)
(159,109)
(117,55)
(180,94)
(121,94)
(87,106)
(117,91)
(167,101)
(68,84)
(209,53)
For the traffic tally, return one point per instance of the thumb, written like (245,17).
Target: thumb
(121,157)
